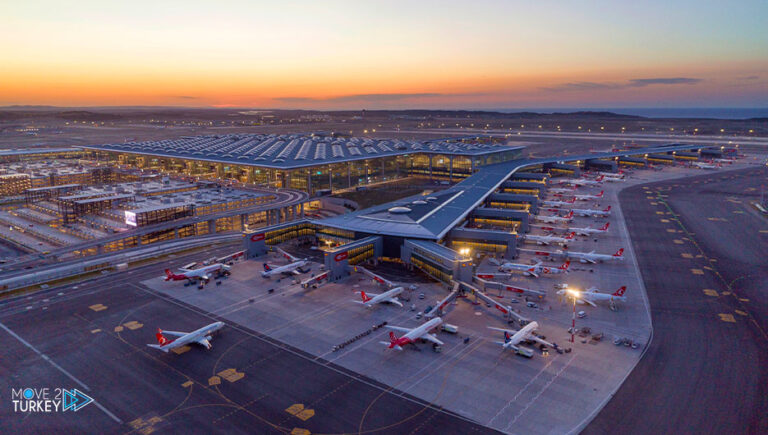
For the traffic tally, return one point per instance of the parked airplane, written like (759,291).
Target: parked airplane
(201,336)
(728,161)
(546,240)
(554,219)
(592,295)
(557,204)
(591,257)
(512,338)
(588,231)
(535,270)
(586,197)
(593,213)
(615,175)
(583,181)
(412,335)
(702,165)
(295,267)
(202,274)
(371,299)
(561,190)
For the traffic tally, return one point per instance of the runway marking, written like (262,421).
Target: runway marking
(187,384)
(664,221)
(710,292)
(214,380)
(94,331)
(764,231)
(739,312)
(677,242)
(61,369)
(297,410)
(659,212)
(133,325)
(727,318)
(697,271)
(671,230)
(744,299)
(686,255)
(231,375)
(738,212)
(725,293)
(717,219)
(119,328)
(300,431)
(180,350)
(654,203)
(98,307)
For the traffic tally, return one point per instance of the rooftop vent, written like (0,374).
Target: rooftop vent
(399,210)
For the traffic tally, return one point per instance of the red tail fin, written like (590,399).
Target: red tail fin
(565,265)
(620,291)
(168,274)
(572,200)
(600,195)
(266,267)
(569,215)
(600,178)
(607,208)
(392,339)
(365,297)
(160,338)
(605,227)
(619,253)
(570,236)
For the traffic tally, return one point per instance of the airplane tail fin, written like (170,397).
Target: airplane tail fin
(507,337)
(600,195)
(570,236)
(619,253)
(607,208)
(160,337)
(572,200)
(266,267)
(620,291)
(569,215)
(168,274)
(600,178)
(565,265)
(392,340)
(365,297)
(605,227)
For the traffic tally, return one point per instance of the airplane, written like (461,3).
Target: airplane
(559,190)
(512,338)
(546,240)
(295,267)
(617,176)
(702,165)
(201,336)
(535,270)
(588,231)
(203,274)
(588,197)
(729,161)
(584,181)
(592,213)
(554,219)
(558,203)
(411,335)
(371,299)
(591,257)
(592,295)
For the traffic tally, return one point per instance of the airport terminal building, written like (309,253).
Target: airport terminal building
(311,162)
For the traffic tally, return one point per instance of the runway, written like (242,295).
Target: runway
(94,337)
(701,251)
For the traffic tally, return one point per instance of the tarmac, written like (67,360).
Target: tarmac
(701,249)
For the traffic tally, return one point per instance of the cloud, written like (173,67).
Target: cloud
(632,83)
(639,83)
(749,78)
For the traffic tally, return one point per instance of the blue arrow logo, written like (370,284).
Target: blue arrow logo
(75,400)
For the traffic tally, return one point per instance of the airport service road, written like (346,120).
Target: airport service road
(701,251)
(94,338)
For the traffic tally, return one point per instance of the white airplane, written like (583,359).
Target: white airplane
(586,197)
(371,299)
(588,212)
(558,204)
(411,335)
(584,181)
(561,190)
(588,231)
(592,295)
(546,240)
(554,219)
(201,336)
(728,161)
(295,267)
(535,270)
(702,165)
(512,338)
(203,274)
(614,175)
(591,257)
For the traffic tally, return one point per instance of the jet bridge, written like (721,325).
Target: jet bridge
(509,313)
(337,260)
(500,286)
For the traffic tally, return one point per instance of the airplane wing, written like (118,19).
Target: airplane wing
(589,302)
(296,272)
(290,257)
(539,340)
(510,331)
(204,342)
(398,328)
(175,333)
(393,301)
(432,338)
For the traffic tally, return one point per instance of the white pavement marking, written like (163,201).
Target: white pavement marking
(514,399)
(61,369)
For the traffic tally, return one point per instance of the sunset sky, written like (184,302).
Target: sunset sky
(385,54)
